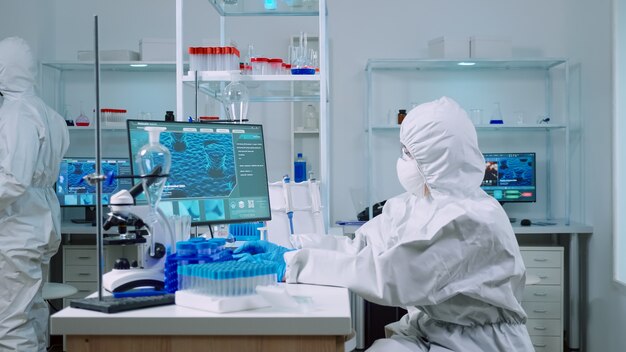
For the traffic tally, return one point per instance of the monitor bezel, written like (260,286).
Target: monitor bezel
(210,222)
(534,200)
(90,158)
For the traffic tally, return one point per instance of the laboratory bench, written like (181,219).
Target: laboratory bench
(176,328)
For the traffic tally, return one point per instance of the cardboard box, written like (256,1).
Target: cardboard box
(490,47)
(448,48)
(109,55)
(157,49)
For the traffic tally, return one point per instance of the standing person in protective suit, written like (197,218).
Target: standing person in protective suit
(444,250)
(33,139)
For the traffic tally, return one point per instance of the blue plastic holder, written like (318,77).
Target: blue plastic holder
(246,231)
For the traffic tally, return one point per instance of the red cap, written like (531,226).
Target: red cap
(258,59)
(275,60)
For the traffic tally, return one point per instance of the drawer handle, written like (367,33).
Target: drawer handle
(539,345)
(543,276)
(540,294)
(84,257)
(84,274)
(84,291)
(540,259)
(540,311)
(539,328)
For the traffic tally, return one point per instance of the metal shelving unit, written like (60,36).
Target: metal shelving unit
(501,67)
(265,88)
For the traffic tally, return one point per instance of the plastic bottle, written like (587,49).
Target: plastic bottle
(299,166)
(169,116)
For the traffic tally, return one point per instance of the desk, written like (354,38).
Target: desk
(577,275)
(174,328)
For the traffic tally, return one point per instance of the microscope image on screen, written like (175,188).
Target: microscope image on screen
(72,190)
(205,164)
(510,177)
(218,172)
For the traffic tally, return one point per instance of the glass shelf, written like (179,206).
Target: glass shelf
(121,66)
(306,132)
(257,7)
(467,64)
(91,128)
(262,88)
(529,127)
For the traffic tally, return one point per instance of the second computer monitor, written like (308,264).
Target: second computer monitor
(510,177)
(218,172)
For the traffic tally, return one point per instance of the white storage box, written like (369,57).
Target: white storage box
(486,47)
(109,55)
(449,48)
(156,49)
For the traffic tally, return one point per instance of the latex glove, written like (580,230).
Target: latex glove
(263,251)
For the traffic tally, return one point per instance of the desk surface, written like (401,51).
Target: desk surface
(550,227)
(331,316)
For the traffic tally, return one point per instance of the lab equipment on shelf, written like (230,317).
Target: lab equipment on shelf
(299,166)
(401,115)
(496,115)
(214,58)
(113,117)
(311,118)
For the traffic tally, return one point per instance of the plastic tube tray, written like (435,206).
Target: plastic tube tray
(219,304)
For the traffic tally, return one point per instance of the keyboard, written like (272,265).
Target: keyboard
(114,305)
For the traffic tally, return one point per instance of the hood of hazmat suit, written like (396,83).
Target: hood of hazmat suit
(444,250)
(33,139)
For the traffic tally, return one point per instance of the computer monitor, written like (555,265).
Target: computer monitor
(73,191)
(218,172)
(510,177)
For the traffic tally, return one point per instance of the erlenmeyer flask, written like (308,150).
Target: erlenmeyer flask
(235,98)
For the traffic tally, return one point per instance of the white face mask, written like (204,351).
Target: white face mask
(410,176)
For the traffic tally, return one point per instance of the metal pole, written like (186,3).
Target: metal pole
(99,250)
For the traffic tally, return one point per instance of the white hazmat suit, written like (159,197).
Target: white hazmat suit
(33,139)
(444,250)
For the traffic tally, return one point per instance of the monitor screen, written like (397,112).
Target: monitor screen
(218,172)
(510,177)
(72,190)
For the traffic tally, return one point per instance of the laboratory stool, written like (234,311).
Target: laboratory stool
(55,290)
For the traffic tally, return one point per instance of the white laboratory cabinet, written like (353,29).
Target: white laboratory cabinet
(543,302)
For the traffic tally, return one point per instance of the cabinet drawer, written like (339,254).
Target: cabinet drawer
(542,310)
(544,327)
(542,293)
(81,256)
(80,273)
(542,259)
(547,343)
(548,276)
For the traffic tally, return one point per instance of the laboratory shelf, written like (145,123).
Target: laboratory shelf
(512,128)
(266,88)
(258,8)
(466,64)
(120,66)
(92,128)
(306,132)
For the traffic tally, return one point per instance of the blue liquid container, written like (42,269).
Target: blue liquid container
(299,167)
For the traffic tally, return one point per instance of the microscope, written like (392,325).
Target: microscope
(147,271)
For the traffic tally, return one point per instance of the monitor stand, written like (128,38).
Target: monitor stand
(90,217)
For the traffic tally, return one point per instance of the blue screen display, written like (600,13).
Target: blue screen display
(510,177)
(218,172)
(72,190)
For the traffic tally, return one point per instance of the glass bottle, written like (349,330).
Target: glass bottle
(401,115)
(153,159)
(311,118)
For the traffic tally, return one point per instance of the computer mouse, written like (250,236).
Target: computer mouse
(525,222)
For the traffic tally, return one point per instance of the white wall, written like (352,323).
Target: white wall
(359,29)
